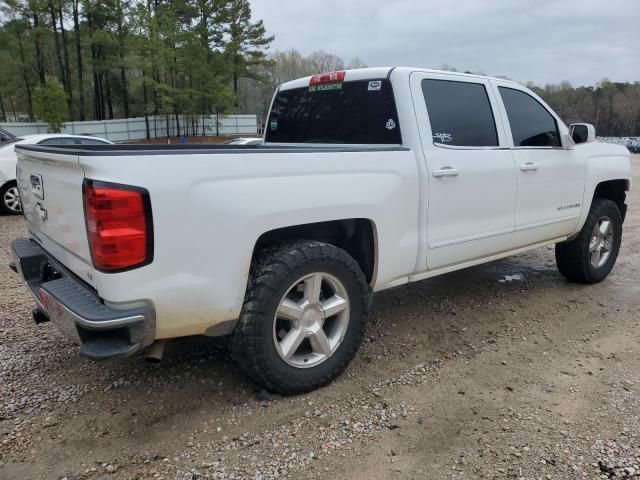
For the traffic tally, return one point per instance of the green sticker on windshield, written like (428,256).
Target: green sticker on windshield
(325,87)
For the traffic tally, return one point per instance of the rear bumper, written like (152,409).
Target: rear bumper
(78,312)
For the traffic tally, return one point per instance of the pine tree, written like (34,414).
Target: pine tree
(247,42)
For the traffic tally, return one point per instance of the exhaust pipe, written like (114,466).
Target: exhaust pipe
(155,351)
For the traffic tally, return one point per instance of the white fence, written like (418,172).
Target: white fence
(135,128)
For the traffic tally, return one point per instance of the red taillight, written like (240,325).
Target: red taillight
(119,227)
(327,78)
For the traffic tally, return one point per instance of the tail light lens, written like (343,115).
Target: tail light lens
(119,225)
(328,77)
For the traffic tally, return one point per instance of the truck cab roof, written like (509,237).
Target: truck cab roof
(371,73)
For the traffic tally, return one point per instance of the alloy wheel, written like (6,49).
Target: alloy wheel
(601,242)
(12,200)
(311,320)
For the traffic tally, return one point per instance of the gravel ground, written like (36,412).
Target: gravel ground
(499,371)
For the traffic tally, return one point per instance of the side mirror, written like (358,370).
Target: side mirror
(582,133)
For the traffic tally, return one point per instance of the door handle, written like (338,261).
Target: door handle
(529,167)
(445,172)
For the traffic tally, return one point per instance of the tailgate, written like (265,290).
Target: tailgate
(50,184)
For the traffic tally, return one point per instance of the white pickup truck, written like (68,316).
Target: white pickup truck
(367,180)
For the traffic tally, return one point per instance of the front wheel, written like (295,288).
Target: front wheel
(592,254)
(303,318)
(10,199)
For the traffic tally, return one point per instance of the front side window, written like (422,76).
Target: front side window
(350,112)
(531,124)
(460,113)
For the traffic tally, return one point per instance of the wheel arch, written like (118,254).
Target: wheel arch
(357,236)
(615,190)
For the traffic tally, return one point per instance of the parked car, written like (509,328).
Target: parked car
(9,196)
(244,141)
(369,179)
(5,136)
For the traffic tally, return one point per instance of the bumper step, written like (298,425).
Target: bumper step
(77,310)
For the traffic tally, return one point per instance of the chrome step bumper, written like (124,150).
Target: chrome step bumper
(78,312)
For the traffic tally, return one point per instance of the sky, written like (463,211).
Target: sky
(544,41)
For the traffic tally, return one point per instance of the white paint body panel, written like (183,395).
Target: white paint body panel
(210,209)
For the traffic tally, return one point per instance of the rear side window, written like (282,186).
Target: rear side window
(90,141)
(531,124)
(357,112)
(58,141)
(460,113)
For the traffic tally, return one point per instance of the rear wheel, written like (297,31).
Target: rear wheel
(10,199)
(303,318)
(592,254)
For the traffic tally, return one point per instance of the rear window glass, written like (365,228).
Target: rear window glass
(358,112)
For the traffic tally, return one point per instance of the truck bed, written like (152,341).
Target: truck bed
(209,205)
(200,149)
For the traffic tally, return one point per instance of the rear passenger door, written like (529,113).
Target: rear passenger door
(471,177)
(550,178)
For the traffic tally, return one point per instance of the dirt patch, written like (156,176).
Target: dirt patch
(503,370)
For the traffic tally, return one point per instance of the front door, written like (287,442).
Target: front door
(550,177)
(471,180)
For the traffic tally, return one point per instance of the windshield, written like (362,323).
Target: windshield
(5,136)
(356,112)
(9,142)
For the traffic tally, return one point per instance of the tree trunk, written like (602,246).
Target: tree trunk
(4,114)
(65,51)
(13,109)
(236,100)
(125,93)
(123,76)
(76,29)
(56,42)
(98,112)
(25,78)
(173,84)
(108,96)
(98,101)
(36,37)
(145,99)
(156,106)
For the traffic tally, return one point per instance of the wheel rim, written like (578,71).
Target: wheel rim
(601,242)
(12,199)
(311,320)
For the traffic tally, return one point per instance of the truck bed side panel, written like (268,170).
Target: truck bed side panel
(209,210)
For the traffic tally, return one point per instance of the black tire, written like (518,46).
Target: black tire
(4,207)
(574,259)
(273,273)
